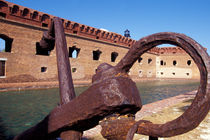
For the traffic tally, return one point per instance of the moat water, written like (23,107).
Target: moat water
(20,110)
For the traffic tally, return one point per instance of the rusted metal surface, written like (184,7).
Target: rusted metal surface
(200,106)
(113,92)
(66,87)
(55,36)
(107,95)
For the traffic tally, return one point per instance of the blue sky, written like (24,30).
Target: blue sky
(141,17)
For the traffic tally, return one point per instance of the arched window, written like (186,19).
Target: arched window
(3,4)
(96,54)
(15,9)
(3,8)
(44,18)
(25,12)
(35,15)
(174,63)
(161,62)
(74,52)
(68,24)
(41,51)
(5,43)
(189,62)
(75,27)
(140,59)
(149,61)
(114,56)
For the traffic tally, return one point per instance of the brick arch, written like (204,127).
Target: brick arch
(75,26)
(8,42)
(15,9)
(82,28)
(35,15)
(3,4)
(68,23)
(25,12)
(45,18)
(92,30)
(87,29)
(4,9)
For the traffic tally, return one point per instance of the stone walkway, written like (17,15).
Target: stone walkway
(161,112)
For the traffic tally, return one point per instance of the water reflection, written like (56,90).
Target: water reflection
(20,110)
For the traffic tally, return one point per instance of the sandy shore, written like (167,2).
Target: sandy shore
(161,112)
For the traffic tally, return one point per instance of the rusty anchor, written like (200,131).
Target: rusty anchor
(113,93)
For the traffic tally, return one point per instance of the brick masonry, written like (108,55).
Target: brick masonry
(25,26)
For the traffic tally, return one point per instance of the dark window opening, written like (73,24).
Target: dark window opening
(35,15)
(5,43)
(174,73)
(97,37)
(74,32)
(164,63)
(2,15)
(74,52)
(96,54)
(2,67)
(41,51)
(187,74)
(114,56)
(74,70)
(25,12)
(161,62)
(44,17)
(68,24)
(189,62)
(43,69)
(140,59)
(44,25)
(149,60)
(15,9)
(3,4)
(174,62)
(161,73)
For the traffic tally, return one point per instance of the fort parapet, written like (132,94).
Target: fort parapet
(35,18)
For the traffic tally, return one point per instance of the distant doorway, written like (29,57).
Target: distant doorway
(2,68)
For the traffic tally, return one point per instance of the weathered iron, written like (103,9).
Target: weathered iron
(200,106)
(66,87)
(113,93)
(109,96)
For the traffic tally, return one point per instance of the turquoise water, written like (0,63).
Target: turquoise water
(20,110)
